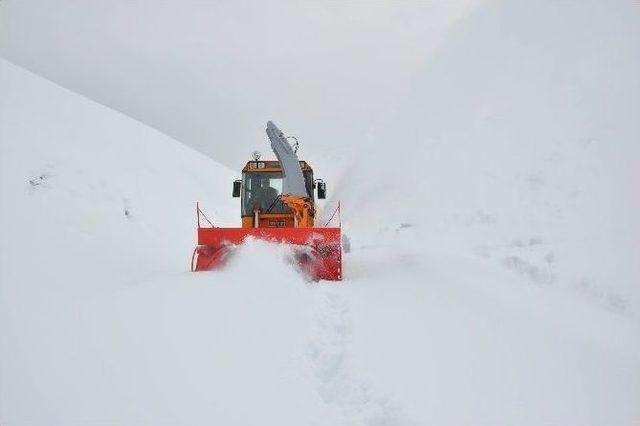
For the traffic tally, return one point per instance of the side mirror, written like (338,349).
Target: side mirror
(236,188)
(322,190)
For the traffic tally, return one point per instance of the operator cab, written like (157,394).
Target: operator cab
(260,189)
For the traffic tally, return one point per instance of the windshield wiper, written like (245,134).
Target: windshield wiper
(272,204)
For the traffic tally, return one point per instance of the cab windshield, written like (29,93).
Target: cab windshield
(261,191)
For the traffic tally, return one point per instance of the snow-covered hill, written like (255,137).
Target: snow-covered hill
(102,322)
(492,280)
(518,142)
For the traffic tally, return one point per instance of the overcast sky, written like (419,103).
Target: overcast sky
(212,73)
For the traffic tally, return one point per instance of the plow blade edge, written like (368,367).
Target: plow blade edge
(317,251)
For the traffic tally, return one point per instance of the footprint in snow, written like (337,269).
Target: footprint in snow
(38,181)
(336,379)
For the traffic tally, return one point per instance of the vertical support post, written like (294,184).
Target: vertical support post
(198,213)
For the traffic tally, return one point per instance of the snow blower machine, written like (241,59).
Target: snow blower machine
(277,205)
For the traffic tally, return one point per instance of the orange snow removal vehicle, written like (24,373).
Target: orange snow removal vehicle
(278,205)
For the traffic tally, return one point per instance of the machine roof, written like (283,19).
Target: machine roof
(270,166)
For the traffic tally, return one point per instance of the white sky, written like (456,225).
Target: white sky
(210,74)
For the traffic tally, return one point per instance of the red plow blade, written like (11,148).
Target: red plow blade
(319,256)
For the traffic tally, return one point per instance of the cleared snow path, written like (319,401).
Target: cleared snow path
(338,380)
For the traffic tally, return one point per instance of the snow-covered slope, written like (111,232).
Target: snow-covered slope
(492,282)
(518,143)
(94,186)
(101,322)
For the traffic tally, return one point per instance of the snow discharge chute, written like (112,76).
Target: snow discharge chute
(277,200)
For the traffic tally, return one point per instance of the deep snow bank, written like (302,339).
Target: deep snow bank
(517,143)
